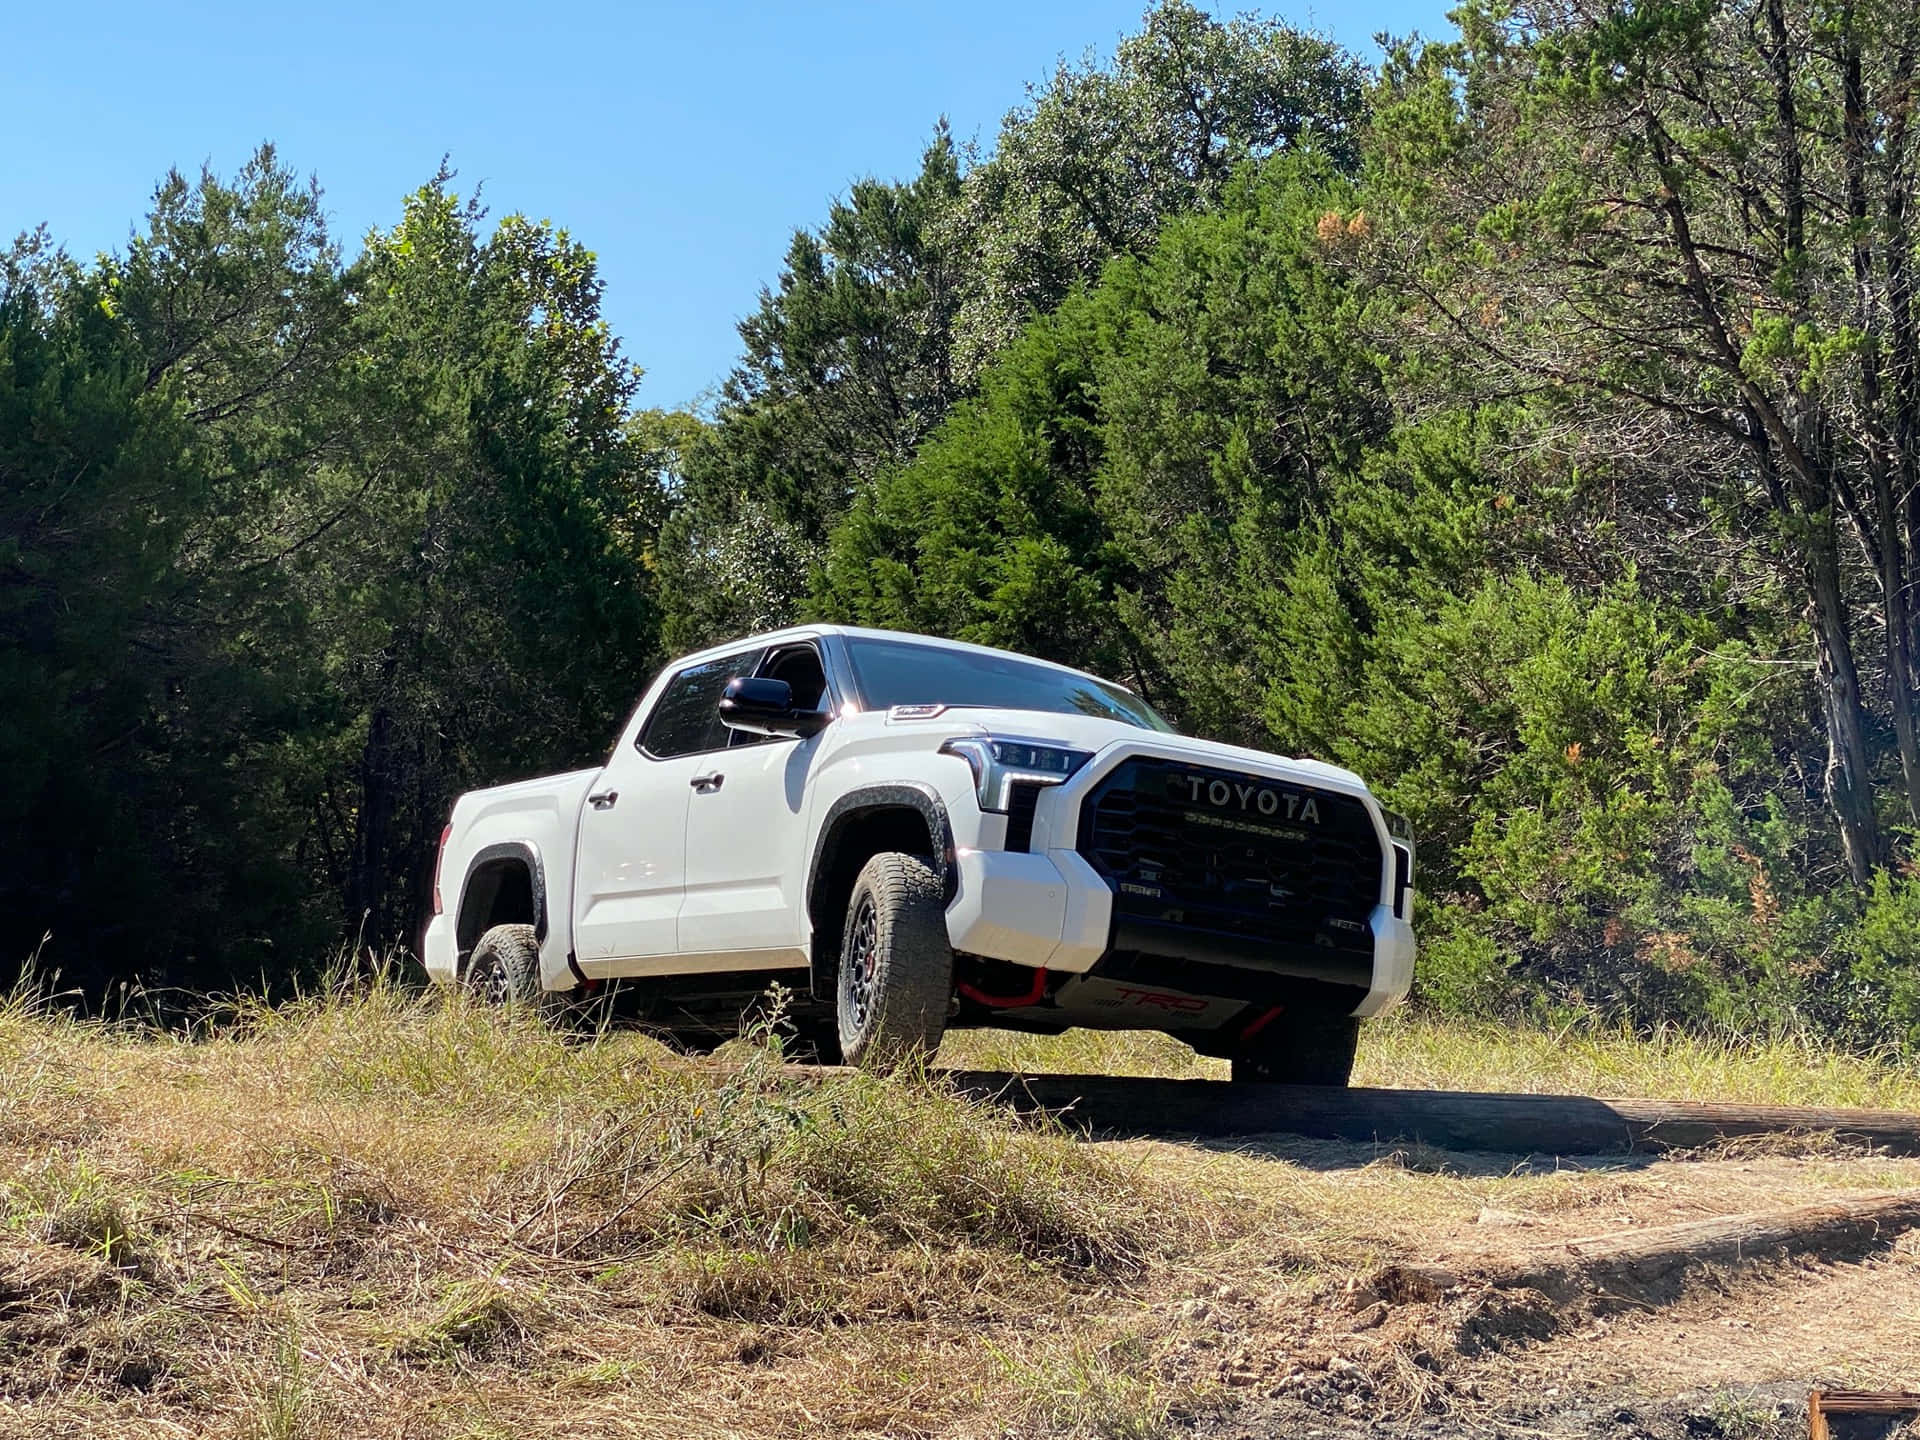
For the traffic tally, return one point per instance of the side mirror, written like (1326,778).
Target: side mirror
(765,707)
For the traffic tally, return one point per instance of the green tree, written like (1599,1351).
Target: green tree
(993,532)
(1101,156)
(1135,463)
(845,371)
(1691,221)
(155,462)
(488,605)
(291,552)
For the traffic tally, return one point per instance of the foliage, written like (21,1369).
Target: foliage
(151,685)
(1130,461)
(1692,221)
(884,318)
(1530,427)
(845,370)
(1101,156)
(293,552)
(492,608)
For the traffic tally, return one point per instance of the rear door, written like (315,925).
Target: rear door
(630,860)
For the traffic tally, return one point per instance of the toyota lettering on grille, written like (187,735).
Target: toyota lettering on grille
(1245,796)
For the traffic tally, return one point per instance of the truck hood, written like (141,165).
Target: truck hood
(1094,734)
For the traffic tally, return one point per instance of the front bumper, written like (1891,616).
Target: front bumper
(1393,954)
(1048,907)
(1053,911)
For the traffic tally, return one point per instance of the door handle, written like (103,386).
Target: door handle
(707,784)
(604,800)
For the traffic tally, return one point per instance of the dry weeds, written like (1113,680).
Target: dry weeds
(383,1214)
(378,1213)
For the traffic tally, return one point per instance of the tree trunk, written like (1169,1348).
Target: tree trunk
(1848,778)
(1883,529)
(382,786)
(1900,687)
(373,830)
(1803,501)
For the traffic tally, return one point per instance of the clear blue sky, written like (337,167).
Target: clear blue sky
(681,142)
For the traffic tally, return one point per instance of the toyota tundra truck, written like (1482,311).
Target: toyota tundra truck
(912,835)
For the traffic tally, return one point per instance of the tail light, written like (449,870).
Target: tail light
(439,859)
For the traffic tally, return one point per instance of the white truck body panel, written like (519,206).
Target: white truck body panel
(542,815)
(701,863)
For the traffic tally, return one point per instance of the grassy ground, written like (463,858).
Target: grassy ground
(392,1215)
(1413,1052)
(384,1214)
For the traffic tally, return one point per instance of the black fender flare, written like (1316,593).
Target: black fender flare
(913,795)
(896,795)
(527,854)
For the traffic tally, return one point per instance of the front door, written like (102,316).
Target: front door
(747,834)
(630,859)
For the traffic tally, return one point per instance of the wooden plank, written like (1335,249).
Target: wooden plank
(1452,1120)
(1848,1406)
(1687,1124)
(1631,1262)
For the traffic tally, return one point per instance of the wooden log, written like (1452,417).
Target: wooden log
(1638,1263)
(1451,1120)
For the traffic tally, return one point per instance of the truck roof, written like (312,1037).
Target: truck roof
(803,632)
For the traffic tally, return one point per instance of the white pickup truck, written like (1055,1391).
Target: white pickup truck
(914,834)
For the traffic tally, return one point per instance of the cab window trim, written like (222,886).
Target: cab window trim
(828,704)
(759,654)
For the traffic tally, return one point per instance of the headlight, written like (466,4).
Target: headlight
(997,761)
(1398,826)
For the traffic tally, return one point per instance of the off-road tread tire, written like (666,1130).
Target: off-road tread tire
(514,952)
(913,969)
(1300,1050)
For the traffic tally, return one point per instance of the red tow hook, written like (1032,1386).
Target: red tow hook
(1261,1021)
(1007,1002)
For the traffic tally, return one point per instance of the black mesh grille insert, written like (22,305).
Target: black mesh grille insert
(1022,796)
(1191,848)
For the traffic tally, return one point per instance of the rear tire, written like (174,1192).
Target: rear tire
(1299,1050)
(896,967)
(504,968)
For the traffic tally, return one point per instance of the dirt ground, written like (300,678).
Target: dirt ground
(388,1217)
(1732,1354)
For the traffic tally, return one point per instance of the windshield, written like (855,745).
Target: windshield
(894,672)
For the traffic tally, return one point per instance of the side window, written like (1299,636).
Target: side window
(686,720)
(799,666)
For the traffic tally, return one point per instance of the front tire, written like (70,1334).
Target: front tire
(896,967)
(504,968)
(1300,1050)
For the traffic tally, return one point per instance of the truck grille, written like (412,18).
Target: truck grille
(1023,797)
(1236,856)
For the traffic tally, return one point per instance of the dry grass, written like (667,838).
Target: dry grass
(377,1213)
(383,1213)
(1419,1052)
